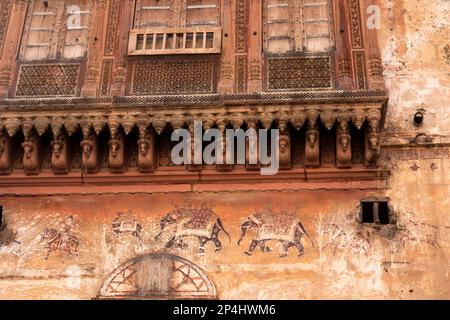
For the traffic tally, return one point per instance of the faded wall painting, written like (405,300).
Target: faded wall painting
(215,245)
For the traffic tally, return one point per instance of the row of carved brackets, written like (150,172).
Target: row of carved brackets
(296,116)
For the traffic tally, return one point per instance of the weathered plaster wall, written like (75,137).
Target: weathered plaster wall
(348,260)
(415,46)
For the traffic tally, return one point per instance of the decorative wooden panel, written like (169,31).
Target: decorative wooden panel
(355,19)
(241,26)
(241,73)
(360,70)
(202,13)
(278,26)
(153,14)
(48,80)
(168,76)
(78,16)
(39,38)
(106,76)
(5,8)
(317,25)
(176,14)
(299,72)
(112,27)
(56,28)
(292,25)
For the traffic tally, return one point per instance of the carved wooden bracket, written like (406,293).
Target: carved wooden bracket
(312,145)
(116,156)
(61,155)
(146,153)
(31,154)
(90,153)
(6,154)
(285,151)
(91,124)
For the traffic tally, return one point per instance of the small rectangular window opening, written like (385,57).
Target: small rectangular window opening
(375,212)
(367,212)
(383,212)
(1,217)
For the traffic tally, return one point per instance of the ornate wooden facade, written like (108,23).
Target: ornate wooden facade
(90,90)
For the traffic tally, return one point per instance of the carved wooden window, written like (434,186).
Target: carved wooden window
(176,27)
(56,29)
(297,25)
(202,13)
(153,14)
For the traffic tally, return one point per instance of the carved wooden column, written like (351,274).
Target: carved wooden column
(146,145)
(11,40)
(90,149)
(237,120)
(312,146)
(116,144)
(372,143)
(222,122)
(251,143)
(357,40)
(61,152)
(285,142)
(375,68)
(31,148)
(241,58)
(343,46)
(95,49)
(255,46)
(6,153)
(196,144)
(120,71)
(343,141)
(226,82)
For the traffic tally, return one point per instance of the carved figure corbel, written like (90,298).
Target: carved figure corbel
(284,141)
(116,156)
(146,154)
(6,154)
(222,122)
(31,154)
(285,151)
(252,148)
(343,147)
(372,147)
(90,156)
(195,144)
(61,154)
(372,143)
(312,146)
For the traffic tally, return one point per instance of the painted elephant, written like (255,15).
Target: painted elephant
(285,228)
(202,223)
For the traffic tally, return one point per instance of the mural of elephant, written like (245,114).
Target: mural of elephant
(202,223)
(285,228)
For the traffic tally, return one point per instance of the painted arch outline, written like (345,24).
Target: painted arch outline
(158,276)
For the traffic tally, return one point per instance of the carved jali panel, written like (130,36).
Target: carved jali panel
(296,73)
(48,80)
(174,76)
